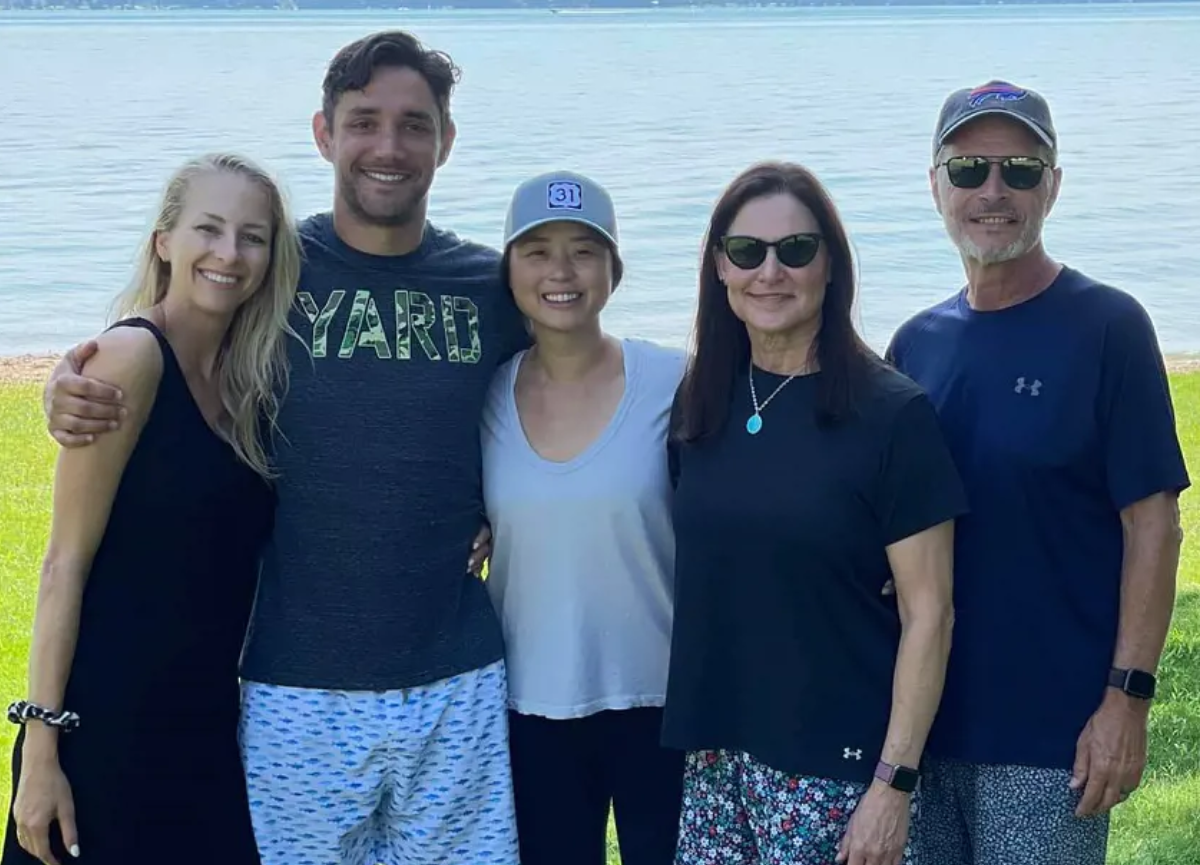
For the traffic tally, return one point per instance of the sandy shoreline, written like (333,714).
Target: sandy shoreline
(25,368)
(33,368)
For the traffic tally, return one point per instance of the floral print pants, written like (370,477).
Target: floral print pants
(738,811)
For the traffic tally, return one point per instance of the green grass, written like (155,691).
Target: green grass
(1159,825)
(26,467)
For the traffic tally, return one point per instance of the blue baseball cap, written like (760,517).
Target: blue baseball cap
(1002,98)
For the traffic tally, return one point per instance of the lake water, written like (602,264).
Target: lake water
(662,106)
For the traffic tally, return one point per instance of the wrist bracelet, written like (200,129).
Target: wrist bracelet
(22,711)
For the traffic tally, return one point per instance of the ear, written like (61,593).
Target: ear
(322,135)
(933,189)
(722,264)
(1055,179)
(614,272)
(162,245)
(449,135)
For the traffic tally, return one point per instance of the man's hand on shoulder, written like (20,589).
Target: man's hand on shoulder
(481,551)
(78,407)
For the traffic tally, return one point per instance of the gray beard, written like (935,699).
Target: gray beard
(1031,231)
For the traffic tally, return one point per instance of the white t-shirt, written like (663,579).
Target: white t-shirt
(583,552)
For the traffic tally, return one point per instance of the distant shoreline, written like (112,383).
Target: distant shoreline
(33,368)
(571,7)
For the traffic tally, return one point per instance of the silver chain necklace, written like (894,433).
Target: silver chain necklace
(754,422)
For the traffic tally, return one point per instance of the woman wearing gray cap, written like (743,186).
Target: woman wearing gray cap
(579,501)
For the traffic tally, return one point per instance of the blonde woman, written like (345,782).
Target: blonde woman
(128,748)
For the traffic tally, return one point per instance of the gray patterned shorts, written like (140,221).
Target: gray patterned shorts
(1003,815)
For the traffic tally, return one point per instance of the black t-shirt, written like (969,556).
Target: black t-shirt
(784,643)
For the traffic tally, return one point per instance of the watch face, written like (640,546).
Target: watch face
(1140,684)
(905,779)
(899,777)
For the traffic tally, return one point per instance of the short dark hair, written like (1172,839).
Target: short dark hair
(721,344)
(354,65)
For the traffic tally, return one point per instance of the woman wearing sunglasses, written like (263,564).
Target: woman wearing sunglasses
(814,510)
(579,500)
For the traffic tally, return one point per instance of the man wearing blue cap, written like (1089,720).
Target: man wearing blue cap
(1054,399)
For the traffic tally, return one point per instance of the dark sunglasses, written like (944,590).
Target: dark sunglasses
(1018,172)
(747,253)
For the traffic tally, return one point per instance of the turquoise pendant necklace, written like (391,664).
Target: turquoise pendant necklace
(754,422)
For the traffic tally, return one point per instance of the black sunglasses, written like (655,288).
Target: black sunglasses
(747,253)
(1018,172)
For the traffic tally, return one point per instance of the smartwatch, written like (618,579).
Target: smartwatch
(1136,683)
(901,778)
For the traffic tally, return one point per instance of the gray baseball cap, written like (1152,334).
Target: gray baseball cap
(560,196)
(996,98)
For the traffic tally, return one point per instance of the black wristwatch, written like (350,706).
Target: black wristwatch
(901,778)
(1135,683)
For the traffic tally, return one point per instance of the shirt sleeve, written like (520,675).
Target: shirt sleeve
(896,353)
(919,484)
(1142,454)
(895,349)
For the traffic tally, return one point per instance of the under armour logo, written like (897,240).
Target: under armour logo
(1032,388)
(856,754)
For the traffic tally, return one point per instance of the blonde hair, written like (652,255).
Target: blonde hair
(252,367)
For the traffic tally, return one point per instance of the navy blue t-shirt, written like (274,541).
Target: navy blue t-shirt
(365,585)
(1058,414)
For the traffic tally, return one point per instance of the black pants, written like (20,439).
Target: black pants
(566,774)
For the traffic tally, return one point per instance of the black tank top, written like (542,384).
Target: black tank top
(172,583)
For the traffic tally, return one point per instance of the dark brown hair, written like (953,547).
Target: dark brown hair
(720,342)
(354,65)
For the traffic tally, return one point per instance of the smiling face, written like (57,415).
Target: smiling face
(994,222)
(385,142)
(219,249)
(772,298)
(561,275)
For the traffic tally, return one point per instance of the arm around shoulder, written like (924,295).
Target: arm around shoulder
(80,407)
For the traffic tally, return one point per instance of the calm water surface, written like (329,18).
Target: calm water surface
(662,106)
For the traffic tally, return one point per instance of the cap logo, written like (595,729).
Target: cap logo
(998,92)
(564,195)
